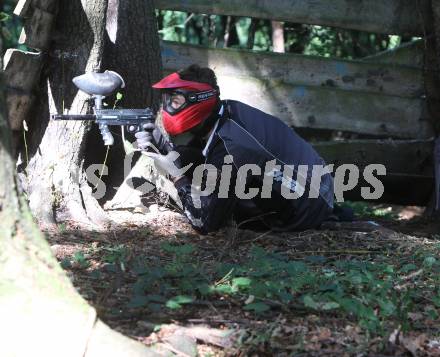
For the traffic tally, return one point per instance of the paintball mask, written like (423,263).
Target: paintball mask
(185,103)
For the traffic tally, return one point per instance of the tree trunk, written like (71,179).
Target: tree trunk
(54,179)
(436,14)
(42,314)
(278,36)
(131,49)
(433,95)
(251,33)
(231,36)
(55,182)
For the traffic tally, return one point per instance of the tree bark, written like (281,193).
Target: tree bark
(131,49)
(42,314)
(231,36)
(251,33)
(433,91)
(55,178)
(59,151)
(436,14)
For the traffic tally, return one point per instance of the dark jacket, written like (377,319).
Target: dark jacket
(251,136)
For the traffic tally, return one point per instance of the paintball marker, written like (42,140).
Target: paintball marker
(100,85)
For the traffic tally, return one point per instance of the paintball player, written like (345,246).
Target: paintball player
(248,150)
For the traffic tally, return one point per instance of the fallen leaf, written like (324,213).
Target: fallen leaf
(394,337)
(249,300)
(413,344)
(415,316)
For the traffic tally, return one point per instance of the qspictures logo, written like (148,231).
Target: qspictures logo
(291,181)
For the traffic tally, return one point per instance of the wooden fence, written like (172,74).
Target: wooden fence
(397,17)
(314,92)
(384,95)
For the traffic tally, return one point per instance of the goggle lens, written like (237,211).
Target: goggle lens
(175,101)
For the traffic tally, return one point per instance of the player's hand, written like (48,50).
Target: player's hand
(152,137)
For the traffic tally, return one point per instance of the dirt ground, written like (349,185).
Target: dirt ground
(104,267)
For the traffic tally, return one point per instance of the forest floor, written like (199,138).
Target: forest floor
(353,289)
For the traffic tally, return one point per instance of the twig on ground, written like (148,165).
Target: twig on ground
(253,219)
(407,278)
(257,238)
(345,252)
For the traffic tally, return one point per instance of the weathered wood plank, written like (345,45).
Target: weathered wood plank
(409,165)
(325,108)
(22,69)
(24,7)
(334,109)
(399,17)
(409,157)
(21,73)
(315,106)
(19,104)
(410,54)
(37,30)
(298,69)
(400,189)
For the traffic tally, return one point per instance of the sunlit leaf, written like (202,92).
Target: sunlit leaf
(177,301)
(330,306)
(4,16)
(224,289)
(429,261)
(309,302)
(241,282)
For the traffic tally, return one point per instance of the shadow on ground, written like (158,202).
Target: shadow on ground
(345,290)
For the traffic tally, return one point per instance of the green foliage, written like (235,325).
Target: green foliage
(81,259)
(78,259)
(177,301)
(116,255)
(10,26)
(172,25)
(210,31)
(373,294)
(4,16)
(118,97)
(330,42)
(62,228)
(65,263)
(364,209)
